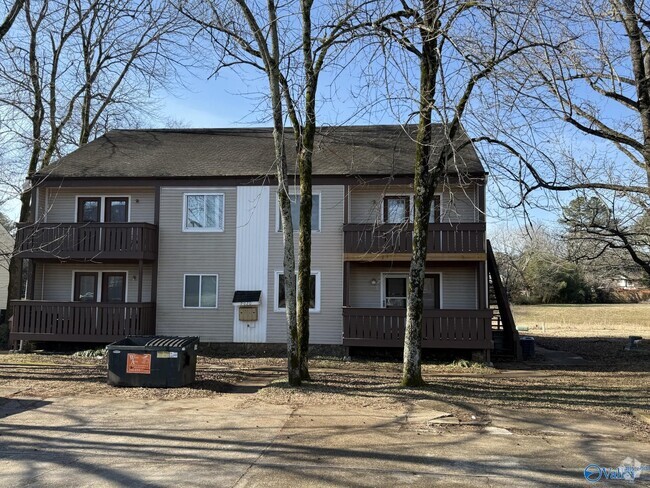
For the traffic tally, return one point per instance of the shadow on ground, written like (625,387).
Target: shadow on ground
(13,406)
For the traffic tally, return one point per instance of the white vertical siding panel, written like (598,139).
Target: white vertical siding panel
(252,257)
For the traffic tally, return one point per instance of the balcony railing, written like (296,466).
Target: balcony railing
(88,241)
(384,327)
(79,321)
(371,239)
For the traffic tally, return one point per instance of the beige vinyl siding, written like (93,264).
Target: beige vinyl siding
(6,248)
(62,202)
(326,326)
(366,202)
(40,203)
(55,282)
(181,253)
(459,285)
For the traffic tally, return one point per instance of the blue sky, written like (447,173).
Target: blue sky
(230,101)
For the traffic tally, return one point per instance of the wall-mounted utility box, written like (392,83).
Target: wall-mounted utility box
(248,313)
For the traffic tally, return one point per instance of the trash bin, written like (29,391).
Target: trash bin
(527,347)
(152,361)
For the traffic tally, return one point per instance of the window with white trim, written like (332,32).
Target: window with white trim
(295,212)
(314,285)
(399,209)
(203,212)
(200,291)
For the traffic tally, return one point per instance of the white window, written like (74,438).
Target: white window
(203,212)
(395,286)
(314,299)
(398,209)
(295,212)
(200,291)
(436,208)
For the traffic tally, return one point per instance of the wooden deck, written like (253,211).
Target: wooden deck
(384,327)
(88,241)
(79,321)
(460,241)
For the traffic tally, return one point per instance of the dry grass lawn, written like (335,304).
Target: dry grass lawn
(601,320)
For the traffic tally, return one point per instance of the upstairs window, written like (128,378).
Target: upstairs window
(103,209)
(116,209)
(89,209)
(203,212)
(295,212)
(397,209)
(435,210)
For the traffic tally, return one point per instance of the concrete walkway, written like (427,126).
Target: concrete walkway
(237,440)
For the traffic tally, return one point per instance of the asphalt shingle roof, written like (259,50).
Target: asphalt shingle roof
(182,153)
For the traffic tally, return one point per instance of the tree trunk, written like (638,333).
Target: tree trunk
(304,253)
(293,343)
(15,263)
(424,184)
(274,75)
(305,153)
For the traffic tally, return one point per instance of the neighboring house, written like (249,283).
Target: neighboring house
(628,282)
(6,249)
(177,232)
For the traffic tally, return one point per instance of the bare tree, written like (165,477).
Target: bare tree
(73,69)
(458,46)
(308,48)
(578,123)
(321,43)
(248,34)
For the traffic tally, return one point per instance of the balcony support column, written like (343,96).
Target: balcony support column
(482,285)
(346,204)
(346,283)
(140,273)
(31,286)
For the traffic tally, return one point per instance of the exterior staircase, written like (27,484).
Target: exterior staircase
(504,331)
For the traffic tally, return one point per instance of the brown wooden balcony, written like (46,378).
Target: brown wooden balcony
(368,242)
(79,321)
(88,241)
(384,327)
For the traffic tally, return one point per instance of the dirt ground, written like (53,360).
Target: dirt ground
(612,381)
(614,386)
(536,423)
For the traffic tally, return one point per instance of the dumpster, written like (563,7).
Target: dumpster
(527,348)
(152,361)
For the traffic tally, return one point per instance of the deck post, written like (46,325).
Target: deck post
(346,204)
(346,284)
(32,278)
(140,281)
(482,286)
